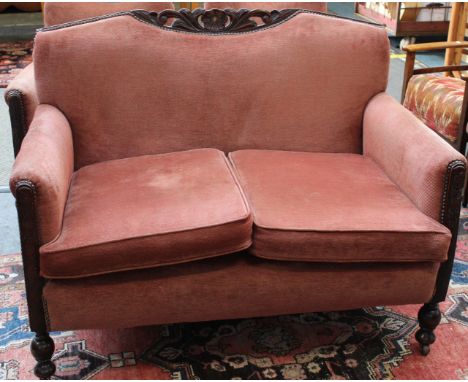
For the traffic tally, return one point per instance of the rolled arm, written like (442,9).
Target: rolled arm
(45,161)
(412,155)
(22,100)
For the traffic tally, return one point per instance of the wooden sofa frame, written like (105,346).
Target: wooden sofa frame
(212,21)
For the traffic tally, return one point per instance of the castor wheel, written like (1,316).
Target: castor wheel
(425,349)
(425,338)
(44,370)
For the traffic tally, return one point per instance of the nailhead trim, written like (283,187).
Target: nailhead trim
(447,178)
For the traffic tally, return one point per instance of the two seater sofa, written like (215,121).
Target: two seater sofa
(189,166)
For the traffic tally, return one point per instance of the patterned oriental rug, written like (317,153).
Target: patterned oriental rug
(371,343)
(13,57)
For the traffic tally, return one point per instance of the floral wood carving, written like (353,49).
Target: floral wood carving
(214,20)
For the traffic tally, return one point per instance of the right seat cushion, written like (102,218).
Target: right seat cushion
(328,207)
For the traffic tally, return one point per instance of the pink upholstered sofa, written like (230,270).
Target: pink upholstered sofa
(204,167)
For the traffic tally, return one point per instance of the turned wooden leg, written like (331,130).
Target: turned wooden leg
(42,349)
(429,317)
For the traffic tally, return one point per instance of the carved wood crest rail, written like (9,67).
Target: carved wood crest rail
(209,21)
(214,20)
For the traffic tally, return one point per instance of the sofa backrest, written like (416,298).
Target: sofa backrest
(129,87)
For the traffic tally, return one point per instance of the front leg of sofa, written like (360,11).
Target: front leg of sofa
(22,101)
(429,171)
(40,181)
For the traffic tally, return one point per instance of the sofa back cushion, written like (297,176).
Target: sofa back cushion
(129,87)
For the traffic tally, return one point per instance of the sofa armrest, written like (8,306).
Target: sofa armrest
(22,100)
(412,155)
(45,163)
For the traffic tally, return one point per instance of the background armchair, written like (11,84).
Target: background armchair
(441,102)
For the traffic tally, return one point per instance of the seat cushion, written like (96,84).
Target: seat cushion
(149,211)
(333,208)
(437,101)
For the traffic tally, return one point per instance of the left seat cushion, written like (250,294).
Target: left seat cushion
(149,211)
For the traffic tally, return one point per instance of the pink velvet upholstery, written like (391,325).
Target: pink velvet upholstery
(46,160)
(237,96)
(268,6)
(59,13)
(413,156)
(24,82)
(149,211)
(236,286)
(325,207)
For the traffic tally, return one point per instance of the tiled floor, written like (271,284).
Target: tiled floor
(6,146)
(9,239)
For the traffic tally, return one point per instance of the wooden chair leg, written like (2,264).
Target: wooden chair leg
(42,349)
(429,317)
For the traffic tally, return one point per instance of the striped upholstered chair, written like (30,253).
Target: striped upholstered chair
(439,101)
